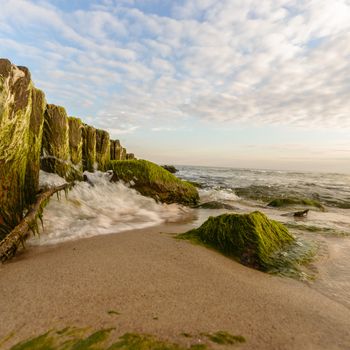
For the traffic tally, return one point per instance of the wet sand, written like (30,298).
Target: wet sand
(164,287)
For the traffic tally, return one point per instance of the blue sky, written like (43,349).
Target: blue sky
(241,83)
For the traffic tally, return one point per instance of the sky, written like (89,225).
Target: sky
(236,83)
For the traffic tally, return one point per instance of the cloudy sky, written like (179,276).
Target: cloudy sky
(241,83)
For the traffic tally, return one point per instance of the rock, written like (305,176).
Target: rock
(196,184)
(35,142)
(252,238)
(153,181)
(215,205)
(288,201)
(76,143)
(55,145)
(170,168)
(89,147)
(21,107)
(301,214)
(123,154)
(130,156)
(102,149)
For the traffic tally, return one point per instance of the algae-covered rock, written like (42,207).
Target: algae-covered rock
(215,205)
(116,150)
(123,154)
(252,238)
(287,201)
(130,156)
(76,142)
(16,112)
(153,181)
(89,148)
(170,168)
(35,142)
(55,145)
(102,149)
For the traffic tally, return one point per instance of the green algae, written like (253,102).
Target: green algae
(326,231)
(288,201)
(76,142)
(153,181)
(252,238)
(223,337)
(34,147)
(75,339)
(89,148)
(15,115)
(123,154)
(102,149)
(55,143)
(113,312)
(130,156)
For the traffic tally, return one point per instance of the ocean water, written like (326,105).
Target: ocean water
(99,207)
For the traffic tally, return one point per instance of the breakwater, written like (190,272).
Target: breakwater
(36,135)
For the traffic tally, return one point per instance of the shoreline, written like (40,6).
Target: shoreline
(164,287)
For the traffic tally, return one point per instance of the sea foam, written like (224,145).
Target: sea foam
(99,207)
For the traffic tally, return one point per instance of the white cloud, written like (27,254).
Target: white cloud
(270,62)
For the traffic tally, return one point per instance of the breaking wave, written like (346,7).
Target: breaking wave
(99,207)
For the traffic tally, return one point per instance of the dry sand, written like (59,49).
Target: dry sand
(164,287)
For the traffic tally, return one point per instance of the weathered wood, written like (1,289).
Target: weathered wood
(10,244)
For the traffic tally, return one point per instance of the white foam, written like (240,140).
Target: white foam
(50,180)
(217,195)
(99,207)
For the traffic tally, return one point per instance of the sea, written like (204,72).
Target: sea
(99,207)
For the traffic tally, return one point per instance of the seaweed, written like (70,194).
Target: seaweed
(152,180)
(252,238)
(289,201)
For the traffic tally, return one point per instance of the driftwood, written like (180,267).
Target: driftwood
(10,244)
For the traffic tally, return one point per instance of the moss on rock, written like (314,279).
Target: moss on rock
(116,150)
(76,142)
(153,181)
(102,149)
(288,201)
(252,238)
(55,145)
(123,154)
(15,115)
(89,147)
(35,142)
(130,156)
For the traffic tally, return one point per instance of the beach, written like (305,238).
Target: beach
(158,285)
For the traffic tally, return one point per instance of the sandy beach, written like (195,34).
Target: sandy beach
(164,287)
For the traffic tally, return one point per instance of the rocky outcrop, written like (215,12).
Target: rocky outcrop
(102,149)
(20,128)
(153,181)
(89,147)
(252,238)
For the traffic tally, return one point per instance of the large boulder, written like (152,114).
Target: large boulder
(102,149)
(21,118)
(89,148)
(153,181)
(252,238)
